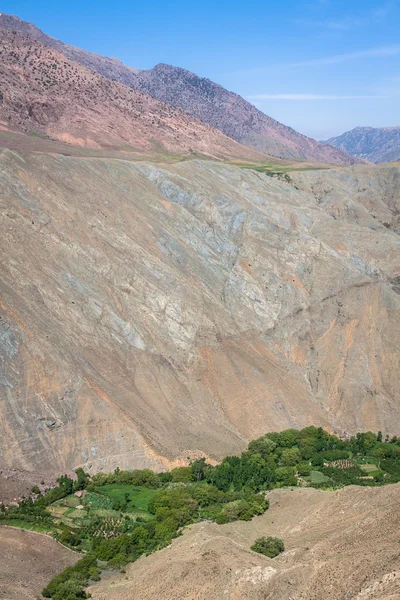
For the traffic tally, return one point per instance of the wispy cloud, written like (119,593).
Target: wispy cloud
(380,52)
(346,22)
(334,24)
(307,97)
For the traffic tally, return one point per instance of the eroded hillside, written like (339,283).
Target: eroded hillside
(338,545)
(152,313)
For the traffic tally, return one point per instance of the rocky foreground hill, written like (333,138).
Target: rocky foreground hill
(376,144)
(199,98)
(341,544)
(338,545)
(149,313)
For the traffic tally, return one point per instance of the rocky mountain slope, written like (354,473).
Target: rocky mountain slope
(111,68)
(139,303)
(198,97)
(338,545)
(376,144)
(43,92)
(233,115)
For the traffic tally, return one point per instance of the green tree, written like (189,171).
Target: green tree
(82,479)
(263,446)
(304,469)
(198,469)
(290,457)
(181,475)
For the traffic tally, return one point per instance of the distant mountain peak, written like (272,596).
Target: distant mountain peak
(376,144)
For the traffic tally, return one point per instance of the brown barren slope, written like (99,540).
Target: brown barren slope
(28,562)
(43,91)
(141,303)
(338,545)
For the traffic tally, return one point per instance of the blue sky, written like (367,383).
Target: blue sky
(320,66)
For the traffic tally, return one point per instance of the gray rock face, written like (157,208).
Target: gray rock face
(150,313)
(376,144)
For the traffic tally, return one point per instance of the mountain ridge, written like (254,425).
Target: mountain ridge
(232,114)
(375,144)
(44,92)
(229,113)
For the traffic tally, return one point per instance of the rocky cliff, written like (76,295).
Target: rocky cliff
(150,313)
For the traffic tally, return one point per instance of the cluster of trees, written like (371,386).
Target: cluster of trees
(70,584)
(275,460)
(34,509)
(226,492)
(139,478)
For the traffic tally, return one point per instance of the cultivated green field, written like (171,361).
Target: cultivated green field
(317,477)
(136,498)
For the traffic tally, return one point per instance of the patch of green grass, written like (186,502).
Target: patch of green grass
(139,497)
(38,135)
(21,524)
(365,460)
(277,169)
(370,469)
(317,477)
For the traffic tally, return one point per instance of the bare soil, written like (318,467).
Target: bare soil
(28,562)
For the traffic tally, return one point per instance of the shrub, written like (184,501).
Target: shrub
(175,498)
(269,546)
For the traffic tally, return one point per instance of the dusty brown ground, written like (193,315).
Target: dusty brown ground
(15,484)
(27,563)
(339,545)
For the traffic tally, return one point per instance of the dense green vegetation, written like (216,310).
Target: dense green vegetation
(269,546)
(116,517)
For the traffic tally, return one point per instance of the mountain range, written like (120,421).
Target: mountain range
(180,274)
(375,144)
(61,91)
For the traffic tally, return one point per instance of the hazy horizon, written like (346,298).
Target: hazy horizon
(322,67)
